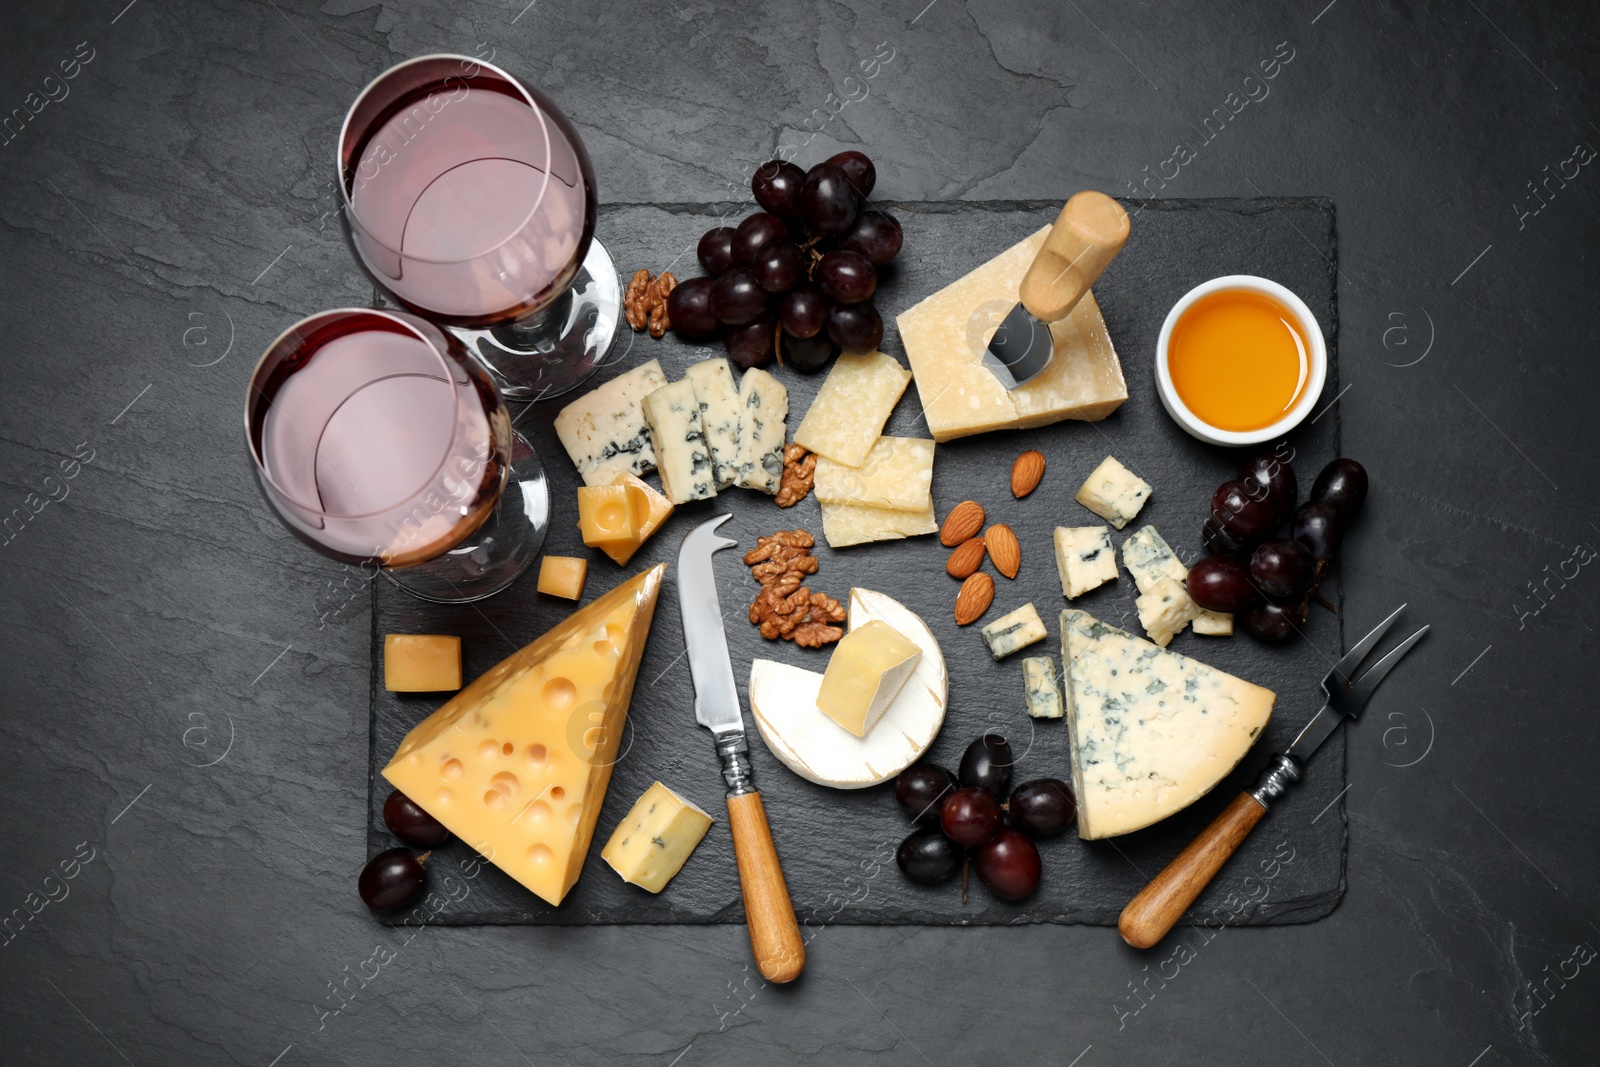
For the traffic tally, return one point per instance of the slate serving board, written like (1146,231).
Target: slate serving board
(838,846)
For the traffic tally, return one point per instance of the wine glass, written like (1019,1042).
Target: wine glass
(377,438)
(470,199)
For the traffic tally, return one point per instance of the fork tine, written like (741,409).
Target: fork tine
(1344,671)
(1361,692)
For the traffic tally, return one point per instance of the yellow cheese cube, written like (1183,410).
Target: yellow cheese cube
(606,515)
(869,665)
(653,841)
(563,576)
(651,510)
(517,764)
(421,663)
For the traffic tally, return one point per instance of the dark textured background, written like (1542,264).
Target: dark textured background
(168,217)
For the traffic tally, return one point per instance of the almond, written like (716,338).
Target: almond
(1026,473)
(963,522)
(1003,549)
(974,598)
(966,559)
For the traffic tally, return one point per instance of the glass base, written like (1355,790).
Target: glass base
(556,350)
(499,551)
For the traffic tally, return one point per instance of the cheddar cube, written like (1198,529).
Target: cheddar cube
(651,510)
(563,576)
(869,665)
(653,841)
(606,515)
(421,663)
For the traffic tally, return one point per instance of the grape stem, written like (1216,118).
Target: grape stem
(965,861)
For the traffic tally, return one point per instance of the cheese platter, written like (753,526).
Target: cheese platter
(1089,501)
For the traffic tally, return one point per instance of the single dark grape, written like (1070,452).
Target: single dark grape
(1221,583)
(1249,521)
(778,265)
(1342,483)
(737,297)
(715,251)
(1319,527)
(921,789)
(751,344)
(847,277)
(802,312)
(927,856)
(1266,475)
(987,764)
(407,821)
(1273,622)
(970,816)
(805,354)
(689,309)
(392,879)
(875,235)
(855,327)
(858,171)
(1009,865)
(754,232)
(1043,807)
(1283,569)
(1220,541)
(776,185)
(827,201)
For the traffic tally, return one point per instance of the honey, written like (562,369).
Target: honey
(1238,359)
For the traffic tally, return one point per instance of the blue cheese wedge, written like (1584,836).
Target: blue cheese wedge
(673,414)
(721,415)
(1149,559)
(1113,492)
(604,430)
(1039,680)
(1152,731)
(1014,632)
(1165,610)
(1084,558)
(764,407)
(1213,623)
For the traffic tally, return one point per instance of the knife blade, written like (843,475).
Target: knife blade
(774,932)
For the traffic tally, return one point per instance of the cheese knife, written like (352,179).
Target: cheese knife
(1087,235)
(774,932)
(1159,905)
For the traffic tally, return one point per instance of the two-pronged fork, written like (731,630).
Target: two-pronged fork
(1159,905)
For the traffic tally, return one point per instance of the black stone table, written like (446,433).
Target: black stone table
(185,708)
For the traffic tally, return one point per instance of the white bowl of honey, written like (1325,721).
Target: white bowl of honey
(1240,361)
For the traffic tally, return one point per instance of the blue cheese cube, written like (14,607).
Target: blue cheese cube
(1084,558)
(1165,610)
(682,454)
(721,416)
(1039,679)
(764,405)
(1013,632)
(1114,493)
(604,430)
(1149,559)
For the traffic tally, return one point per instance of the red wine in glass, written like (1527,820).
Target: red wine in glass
(471,201)
(378,439)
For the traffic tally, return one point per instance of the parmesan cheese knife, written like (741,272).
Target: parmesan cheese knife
(1087,235)
(774,932)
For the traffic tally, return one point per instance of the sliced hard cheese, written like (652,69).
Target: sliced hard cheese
(1152,731)
(897,474)
(1113,492)
(720,414)
(783,702)
(673,415)
(865,673)
(847,416)
(1039,680)
(855,524)
(653,841)
(604,431)
(945,337)
(1149,559)
(517,764)
(764,403)
(1084,558)
(421,663)
(1165,610)
(1213,623)
(1014,632)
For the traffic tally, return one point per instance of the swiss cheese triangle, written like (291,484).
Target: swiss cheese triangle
(517,763)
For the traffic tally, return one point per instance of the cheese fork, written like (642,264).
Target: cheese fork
(1159,905)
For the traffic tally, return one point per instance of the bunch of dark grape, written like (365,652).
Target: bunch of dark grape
(1268,581)
(395,877)
(979,815)
(796,278)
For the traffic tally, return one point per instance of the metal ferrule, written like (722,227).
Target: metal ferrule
(1280,773)
(735,756)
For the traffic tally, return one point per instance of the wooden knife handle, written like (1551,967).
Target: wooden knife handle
(1160,905)
(774,932)
(1087,235)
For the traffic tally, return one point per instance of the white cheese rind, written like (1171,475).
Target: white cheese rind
(855,400)
(1113,492)
(721,416)
(604,430)
(1014,632)
(682,454)
(1165,610)
(1039,684)
(897,474)
(764,402)
(1149,559)
(1152,731)
(1085,559)
(853,524)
